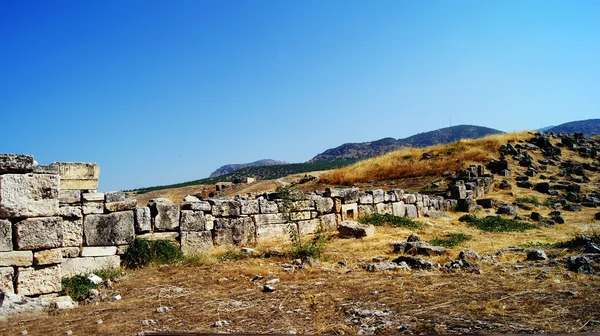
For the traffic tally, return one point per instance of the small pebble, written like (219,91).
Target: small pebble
(69,332)
(272,281)
(117,298)
(24,332)
(268,289)
(99,322)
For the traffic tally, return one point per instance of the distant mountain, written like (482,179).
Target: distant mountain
(364,150)
(588,127)
(230,168)
(544,129)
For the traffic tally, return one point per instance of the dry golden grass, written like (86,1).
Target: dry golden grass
(408,163)
(175,195)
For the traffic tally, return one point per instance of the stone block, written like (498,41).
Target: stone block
(197,206)
(347,195)
(128,204)
(70,252)
(16,164)
(6,243)
(378,195)
(411,211)
(28,195)
(349,211)
(69,196)
(323,205)
(70,211)
(410,198)
(142,220)
(93,208)
(298,216)
(274,232)
(72,232)
(390,196)
(112,229)
(45,169)
(398,209)
(222,236)
(115,196)
(309,226)
(16,258)
(39,233)
(365,198)
(93,197)
(267,219)
(76,266)
(78,175)
(352,229)
(268,207)
(365,210)
(250,207)
(303,205)
(196,242)
(384,208)
(98,251)
(170,236)
(243,231)
(328,222)
(36,281)
(6,279)
(165,215)
(210,222)
(192,221)
(225,208)
(47,257)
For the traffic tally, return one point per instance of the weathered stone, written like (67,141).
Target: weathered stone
(399,209)
(142,220)
(390,196)
(384,208)
(347,195)
(297,216)
(410,198)
(112,229)
(411,211)
(16,163)
(170,236)
(45,169)
(195,242)
(268,207)
(243,231)
(536,255)
(76,266)
(222,236)
(78,175)
(165,215)
(323,205)
(226,208)
(28,195)
(128,204)
(365,210)
(365,198)
(32,281)
(98,251)
(191,198)
(72,232)
(413,262)
(47,257)
(39,233)
(70,252)
(70,211)
(122,249)
(266,219)
(386,266)
(378,195)
(6,279)
(274,231)
(468,255)
(352,229)
(6,243)
(16,258)
(328,222)
(93,208)
(93,197)
(69,196)
(250,207)
(115,196)
(192,221)
(349,211)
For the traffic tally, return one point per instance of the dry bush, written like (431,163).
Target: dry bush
(409,163)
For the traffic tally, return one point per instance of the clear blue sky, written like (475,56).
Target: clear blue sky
(161,92)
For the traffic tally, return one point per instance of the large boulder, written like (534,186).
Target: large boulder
(39,233)
(112,229)
(28,195)
(352,229)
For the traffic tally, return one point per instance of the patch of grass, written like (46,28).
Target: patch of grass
(553,200)
(531,200)
(574,243)
(498,224)
(390,220)
(537,245)
(233,255)
(313,247)
(78,286)
(142,252)
(450,240)
(198,259)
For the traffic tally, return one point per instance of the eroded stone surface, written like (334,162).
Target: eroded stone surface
(16,258)
(47,257)
(72,232)
(192,220)
(35,281)
(78,175)
(274,231)
(165,215)
(74,266)
(28,195)
(142,220)
(6,243)
(226,208)
(196,242)
(112,229)
(39,233)
(98,251)
(69,196)
(16,163)
(6,279)
(352,229)
(128,204)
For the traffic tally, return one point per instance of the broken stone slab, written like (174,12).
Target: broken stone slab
(98,251)
(28,195)
(352,229)
(196,242)
(6,280)
(192,221)
(225,208)
(154,236)
(127,204)
(243,231)
(165,215)
(536,255)
(93,197)
(249,207)
(77,266)
(268,219)
(78,175)
(16,163)
(16,258)
(70,211)
(47,257)
(268,232)
(328,222)
(6,243)
(386,266)
(69,196)
(414,263)
(197,206)
(419,248)
(38,233)
(323,205)
(36,281)
(45,169)
(142,219)
(112,229)
(72,232)
(93,208)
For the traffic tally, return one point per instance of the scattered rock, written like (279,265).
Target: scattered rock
(93,278)
(268,289)
(468,255)
(415,263)
(163,309)
(536,255)
(387,266)
(413,238)
(352,229)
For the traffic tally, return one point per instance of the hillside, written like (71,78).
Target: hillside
(589,127)
(230,168)
(365,150)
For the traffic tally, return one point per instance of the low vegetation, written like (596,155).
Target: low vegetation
(300,248)
(497,224)
(390,220)
(530,199)
(143,252)
(450,240)
(78,286)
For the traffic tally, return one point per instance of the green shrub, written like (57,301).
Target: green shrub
(450,240)
(300,248)
(499,224)
(390,220)
(78,286)
(467,218)
(531,200)
(142,252)
(552,200)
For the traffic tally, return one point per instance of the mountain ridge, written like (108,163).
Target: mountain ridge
(589,127)
(230,168)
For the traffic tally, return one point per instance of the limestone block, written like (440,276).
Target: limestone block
(127,204)
(93,208)
(352,229)
(39,233)
(226,208)
(197,206)
(165,215)
(303,205)
(410,198)
(112,229)
(28,195)
(398,209)
(192,221)
(210,222)
(93,197)
(298,216)
(323,205)
(35,281)
(337,205)
(309,226)
(115,196)
(70,252)
(250,207)
(347,195)
(349,211)
(365,210)
(378,195)
(16,258)
(16,164)
(267,219)
(274,231)
(399,194)
(390,196)
(411,211)
(222,236)
(365,198)
(47,257)
(6,243)
(75,266)
(70,211)
(142,220)
(122,249)
(78,175)
(328,222)
(243,231)
(170,236)
(69,196)
(195,242)
(383,208)
(98,251)
(268,207)
(6,279)
(72,232)
(45,169)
